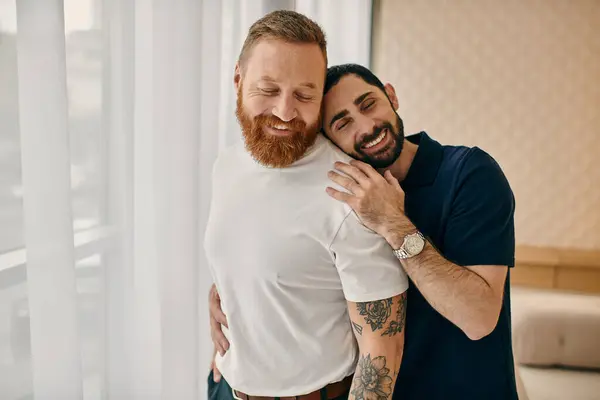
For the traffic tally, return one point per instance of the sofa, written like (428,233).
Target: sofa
(556,343)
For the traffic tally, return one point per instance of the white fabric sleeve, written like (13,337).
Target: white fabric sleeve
(366,263)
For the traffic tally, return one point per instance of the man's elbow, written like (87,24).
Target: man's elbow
(477,332)
(478,329)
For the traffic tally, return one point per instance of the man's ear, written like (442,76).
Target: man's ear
(237,76)
(391,94)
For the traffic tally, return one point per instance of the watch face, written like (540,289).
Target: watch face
(414,245)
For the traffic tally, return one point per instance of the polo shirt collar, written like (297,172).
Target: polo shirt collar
(427,161)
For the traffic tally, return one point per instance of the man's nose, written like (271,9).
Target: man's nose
(365,126)
(285,109)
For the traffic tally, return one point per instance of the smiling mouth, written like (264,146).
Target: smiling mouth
(376,141)
(279,130)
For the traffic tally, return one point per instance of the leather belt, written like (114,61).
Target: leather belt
(332,391)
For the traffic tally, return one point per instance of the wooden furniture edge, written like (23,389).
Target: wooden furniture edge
(557,269)
(557,257)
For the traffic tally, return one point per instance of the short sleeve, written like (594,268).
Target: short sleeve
(366,263)
(480,229)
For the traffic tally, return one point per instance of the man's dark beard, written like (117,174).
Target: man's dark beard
(386,156)
(275,151)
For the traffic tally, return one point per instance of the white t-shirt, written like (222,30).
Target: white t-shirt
(285,257)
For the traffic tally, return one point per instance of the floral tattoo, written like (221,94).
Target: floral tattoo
(398,325)
(376,313)
(372,380)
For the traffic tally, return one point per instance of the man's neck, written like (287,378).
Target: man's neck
(400,167)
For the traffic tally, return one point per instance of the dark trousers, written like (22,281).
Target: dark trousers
(222,391)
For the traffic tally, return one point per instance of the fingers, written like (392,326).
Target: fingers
(218,338)
(340,196)
(391,180)
(217,318)
(213,293)
(216,374)
(215,337)
(345,182)
(213,367)
(220,317)
(217,313)
(353,172)
(365,169)
(214,307)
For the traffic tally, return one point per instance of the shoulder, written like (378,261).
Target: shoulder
(473,166)
(483,170)
(475,159)
(332,154)
(463,158)
(315,168)
(479,182)
(328,153)
(480,225)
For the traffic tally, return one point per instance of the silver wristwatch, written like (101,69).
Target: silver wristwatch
(413,245)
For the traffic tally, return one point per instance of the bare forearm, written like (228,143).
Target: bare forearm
(458,293)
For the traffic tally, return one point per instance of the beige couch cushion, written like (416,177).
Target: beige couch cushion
(560,384)
(553,328)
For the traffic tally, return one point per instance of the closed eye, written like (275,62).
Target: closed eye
(303,97)
(269,92)
(367,105)
(343,123)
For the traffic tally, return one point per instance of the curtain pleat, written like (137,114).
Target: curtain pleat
(146,332)
(177,76)
(118,117)
(347,26)
(45,158)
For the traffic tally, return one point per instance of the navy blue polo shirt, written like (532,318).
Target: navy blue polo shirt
(460,200)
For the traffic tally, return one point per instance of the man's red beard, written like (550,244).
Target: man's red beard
(275,151)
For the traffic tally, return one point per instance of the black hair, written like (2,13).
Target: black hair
(337,72)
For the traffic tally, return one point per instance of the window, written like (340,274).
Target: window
(11,207)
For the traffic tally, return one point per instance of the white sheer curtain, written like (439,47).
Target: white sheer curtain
(112,113)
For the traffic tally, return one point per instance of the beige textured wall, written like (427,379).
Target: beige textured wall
(518,78)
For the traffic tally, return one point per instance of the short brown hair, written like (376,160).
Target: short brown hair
(285,25)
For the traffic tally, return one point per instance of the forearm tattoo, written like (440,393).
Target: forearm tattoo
(376,313)
(397,325)
(357,328)
(372,380)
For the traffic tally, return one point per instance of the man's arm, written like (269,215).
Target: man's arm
(470,297)
(375,291)
(379,330)
(479,233)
